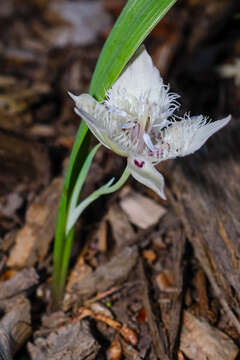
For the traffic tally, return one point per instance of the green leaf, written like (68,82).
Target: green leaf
(77,158)
(136,21)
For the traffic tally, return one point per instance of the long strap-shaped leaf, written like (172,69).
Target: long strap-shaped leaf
(136,21)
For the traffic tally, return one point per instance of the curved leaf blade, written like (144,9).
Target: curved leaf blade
(136,21)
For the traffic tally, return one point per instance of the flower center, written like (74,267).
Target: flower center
(139,130)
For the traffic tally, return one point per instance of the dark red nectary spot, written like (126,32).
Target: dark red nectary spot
(139,163)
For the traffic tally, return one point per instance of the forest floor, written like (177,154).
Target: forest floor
(149,279)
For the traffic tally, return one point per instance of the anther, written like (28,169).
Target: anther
(148,142)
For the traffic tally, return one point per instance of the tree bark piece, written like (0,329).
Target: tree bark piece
(154,322)
(33,240)
(206,197)
(73,341)
(22,162)
(20,282)
(201,341)
(163,308)
(105,276)
(15,328)
(141,210)
(171,300)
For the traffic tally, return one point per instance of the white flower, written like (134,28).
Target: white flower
(136,120)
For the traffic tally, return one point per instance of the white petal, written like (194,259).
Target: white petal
(96,130)
(144,172)
(96,117)
(139,77)
(204,133)
(188,135)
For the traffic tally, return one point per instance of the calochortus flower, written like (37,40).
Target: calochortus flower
(137,120)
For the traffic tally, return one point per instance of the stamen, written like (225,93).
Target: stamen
(129,125)
(135,132)
(117,111)
(163,124)
(148,142)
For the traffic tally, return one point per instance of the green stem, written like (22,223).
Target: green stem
(105,189)
(81,178)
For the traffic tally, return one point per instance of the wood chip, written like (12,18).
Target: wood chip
(81,29)
(114,351)
(164,316)
(73,341)
(15,328)
(106,276)
(33,240)
(79,272)
(165,281)
(149,255)
(121,229)
(127,333)
(141,210)
(10,204)
(20,282)
(201,341)
(24,164)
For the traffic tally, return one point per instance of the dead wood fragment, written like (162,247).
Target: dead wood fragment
(180,356)
(129,351)
(73,341)
(128,334)
(54,320)
(15,328)
(102,295)
(33,240)
(10,203)
(80,270)
(77,25)
(102,237)
(114,350)
(171,300)
(105,276)
(99,308)
(141,210)
(206,198)
(149,255)
(203,308)
(153,323)
(121,229)
(22,162)
(165,281)
(164,319)
(19,283)
(120,232)
(202,341)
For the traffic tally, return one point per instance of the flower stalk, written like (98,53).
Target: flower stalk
(108,188)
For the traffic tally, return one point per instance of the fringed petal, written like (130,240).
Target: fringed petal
(140,79)
(97,119)
(144,172)
(186,136)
